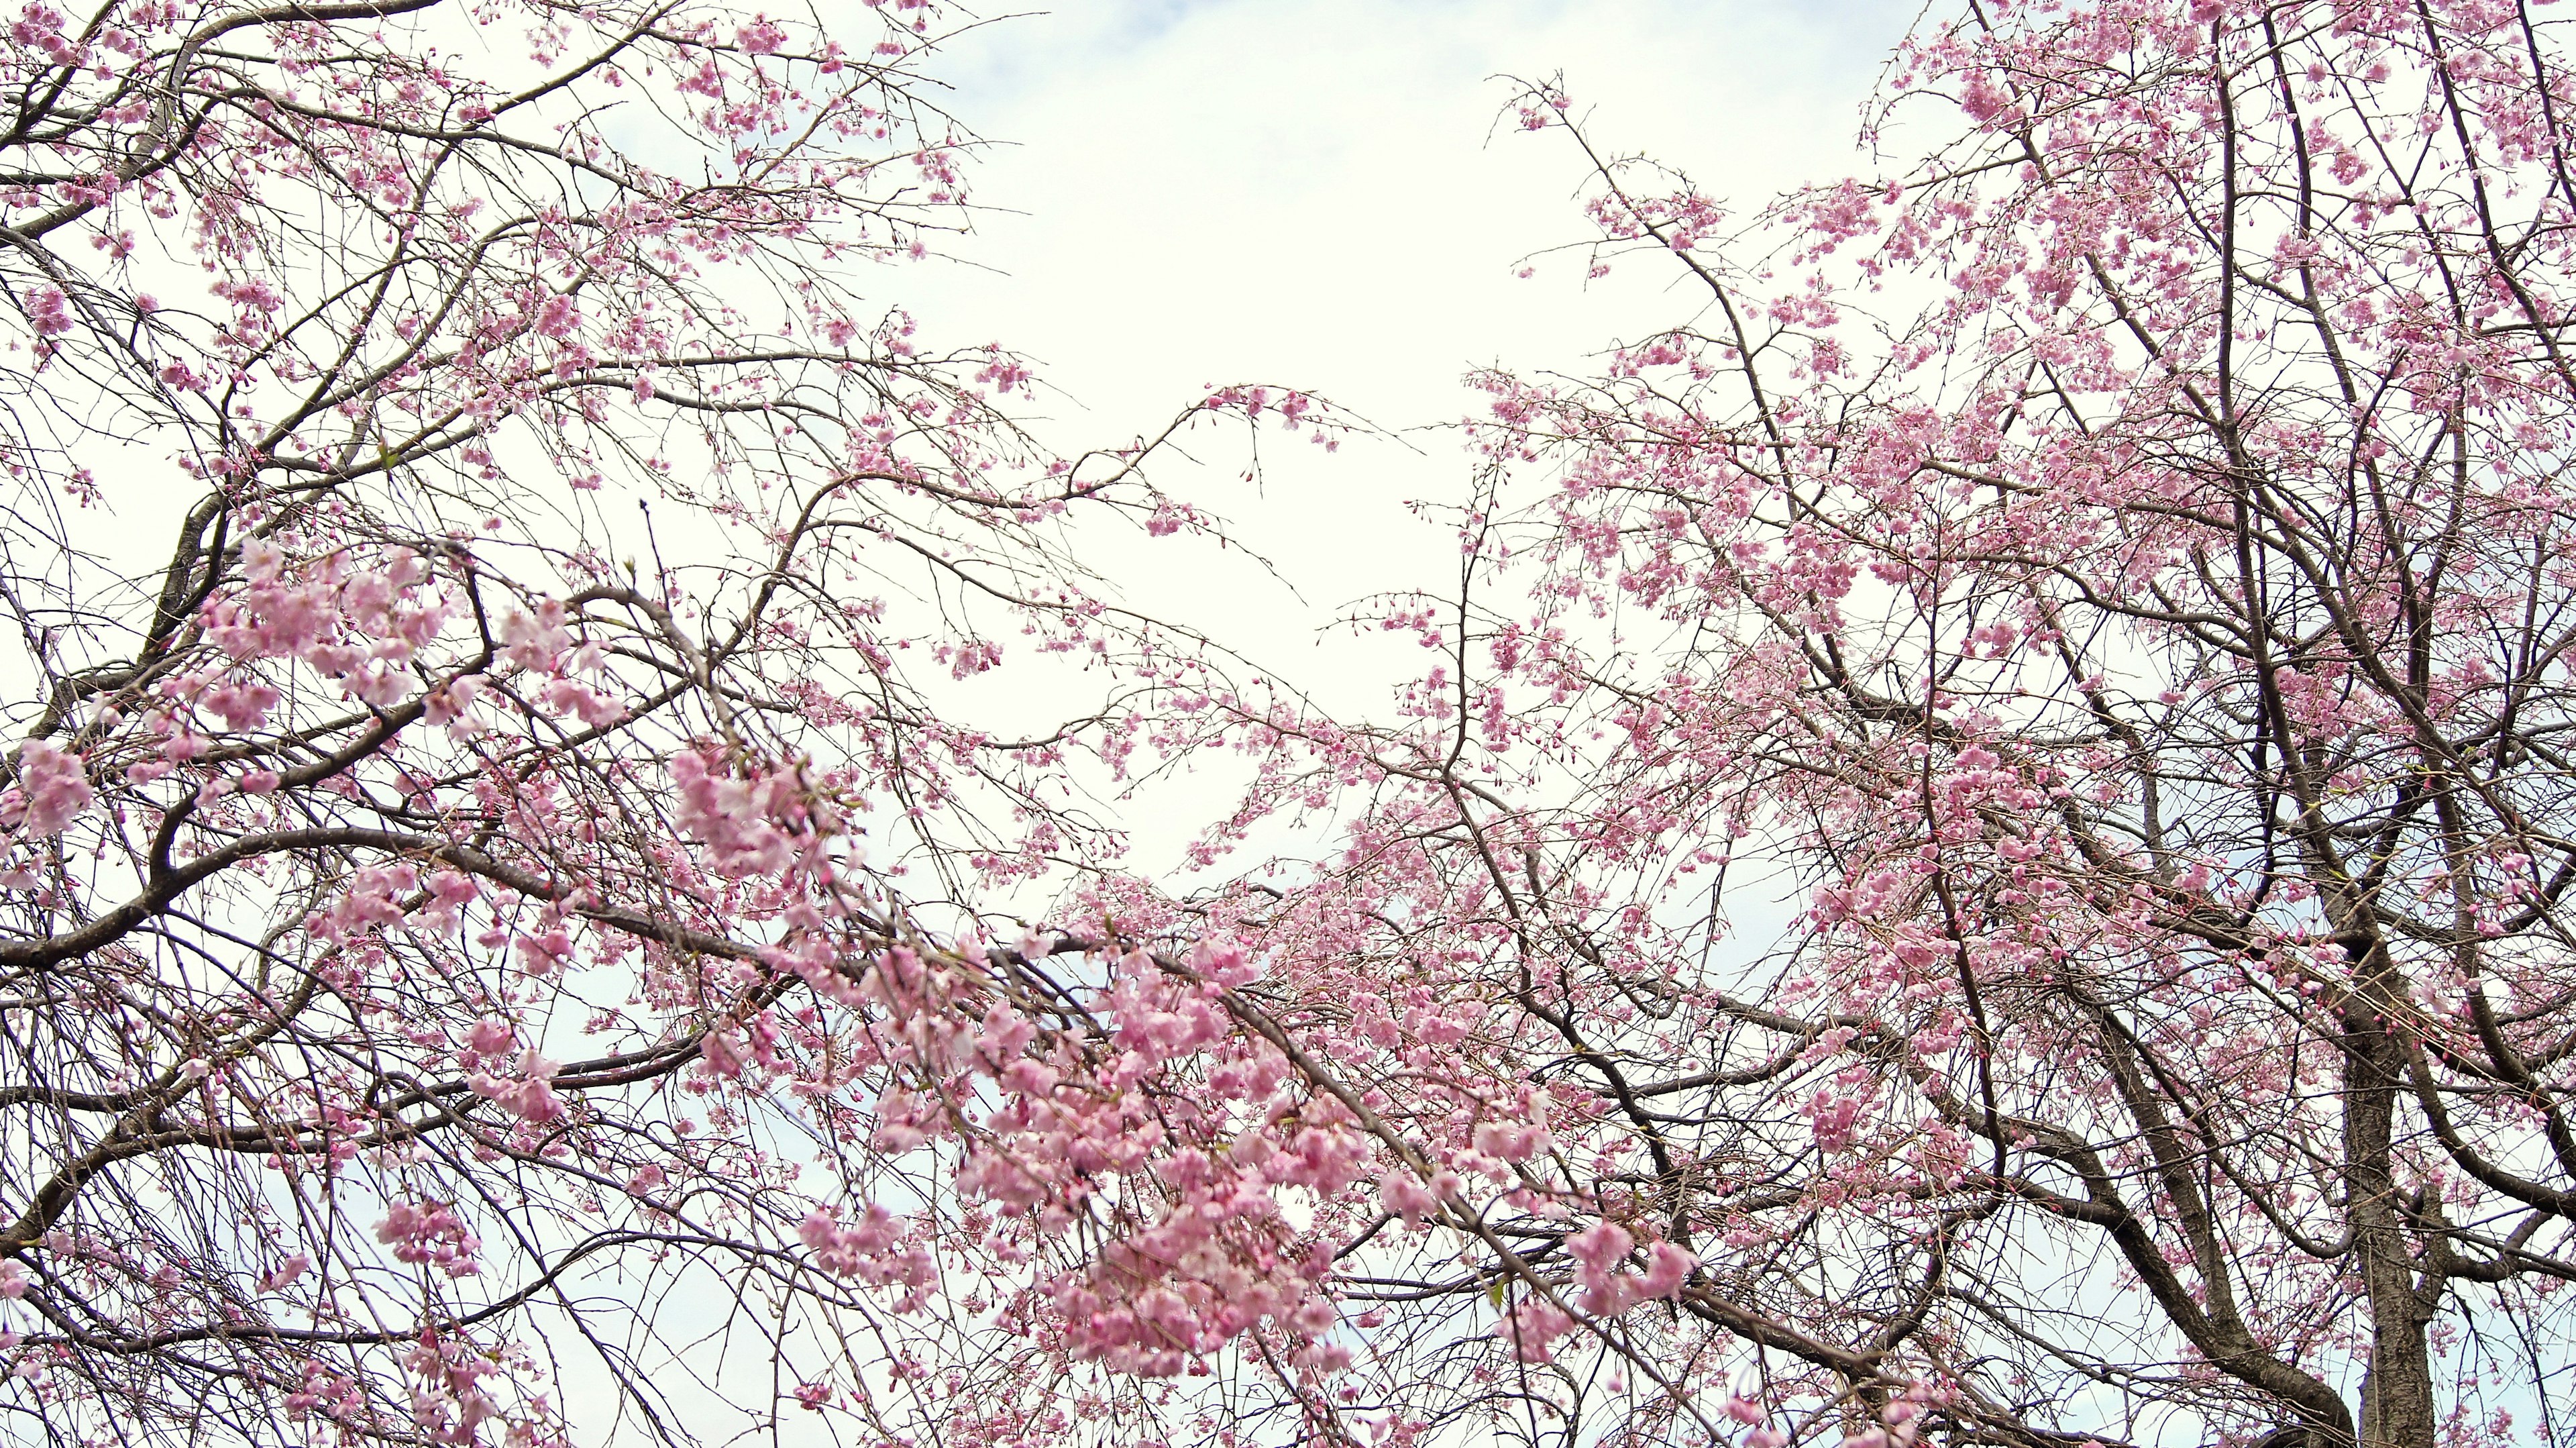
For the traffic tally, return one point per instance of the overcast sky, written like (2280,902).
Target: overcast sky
(1316,193)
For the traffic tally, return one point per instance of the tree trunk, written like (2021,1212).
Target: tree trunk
(2397,1389)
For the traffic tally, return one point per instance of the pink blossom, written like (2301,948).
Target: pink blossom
(53,790)
(1532,1328)
(49,311)
(278,1278)
(1404,1195)
(429,1233)
(527,1093)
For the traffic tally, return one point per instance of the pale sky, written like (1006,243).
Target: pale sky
(1316,193)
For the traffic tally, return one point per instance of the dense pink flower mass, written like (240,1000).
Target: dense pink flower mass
(1975,855)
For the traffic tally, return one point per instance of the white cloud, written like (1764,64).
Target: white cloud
(1320,194)
(1317,194)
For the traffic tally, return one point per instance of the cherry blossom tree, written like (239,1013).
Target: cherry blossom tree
(500,790)
(2092,602)
(1975,857)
